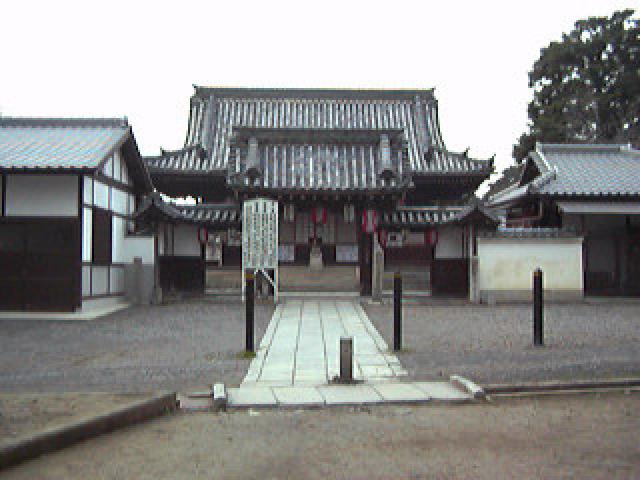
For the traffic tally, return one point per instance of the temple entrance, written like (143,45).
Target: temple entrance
(319,250)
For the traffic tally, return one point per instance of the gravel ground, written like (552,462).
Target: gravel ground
(494,344)
(581,436)
(172,347)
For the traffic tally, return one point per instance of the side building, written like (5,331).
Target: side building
(355,172)
(577,206)
(68,189)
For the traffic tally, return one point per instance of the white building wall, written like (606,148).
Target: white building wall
(110,280)
(506,266)
(185,239)
(450,243)
(42,195)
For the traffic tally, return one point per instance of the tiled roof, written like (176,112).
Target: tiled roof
(153,207)
(217,113)
(424,217)
(188,159)
(318,161)
(50,143)
(577,170)
(588,169)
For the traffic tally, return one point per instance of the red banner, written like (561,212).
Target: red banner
(369,221)
(431,237)
(319,215)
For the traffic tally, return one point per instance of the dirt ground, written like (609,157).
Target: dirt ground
(24,414)
(578,436)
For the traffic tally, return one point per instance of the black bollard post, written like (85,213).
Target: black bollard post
(538,309)
(249,295)
(397,311)
(346,359)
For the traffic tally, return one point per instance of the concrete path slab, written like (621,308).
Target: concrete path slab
(349,395)
(301,345)
(443,391)
(401,392)
(298,396)
(251,397)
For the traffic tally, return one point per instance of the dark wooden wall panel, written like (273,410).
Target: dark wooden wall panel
(181,273)
(40,264)
(450,277)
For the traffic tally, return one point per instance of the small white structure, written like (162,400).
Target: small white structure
(506,263)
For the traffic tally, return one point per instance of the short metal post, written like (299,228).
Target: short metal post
(397,311)
(249,311)
(538,309)
(346,359)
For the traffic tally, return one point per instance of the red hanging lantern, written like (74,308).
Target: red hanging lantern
(382,238)
(203,235)
(431,237)
(369,220)
(319,215)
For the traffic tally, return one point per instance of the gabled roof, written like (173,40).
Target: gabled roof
(38,144)
(217,113)
(577,170)
(153,209)
(58,143)
(588,169)
(418,218)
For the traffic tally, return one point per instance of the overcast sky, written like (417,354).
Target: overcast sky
(140,59)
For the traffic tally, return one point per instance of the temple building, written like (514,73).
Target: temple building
(363,179)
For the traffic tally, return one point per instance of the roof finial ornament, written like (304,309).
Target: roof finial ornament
(466,152)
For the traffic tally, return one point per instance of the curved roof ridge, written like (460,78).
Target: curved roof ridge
(582,146)
(65,122)
(313,93)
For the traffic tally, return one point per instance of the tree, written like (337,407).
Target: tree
(587,86)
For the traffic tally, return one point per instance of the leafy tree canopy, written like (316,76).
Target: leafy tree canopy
(587,86)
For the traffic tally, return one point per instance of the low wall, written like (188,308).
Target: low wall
(506,266)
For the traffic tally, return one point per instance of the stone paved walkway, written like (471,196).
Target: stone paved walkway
(301,346)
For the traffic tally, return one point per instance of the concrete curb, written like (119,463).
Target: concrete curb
(60,437)
(467,386)
(557,386)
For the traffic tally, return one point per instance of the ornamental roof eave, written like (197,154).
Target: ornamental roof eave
(154,209)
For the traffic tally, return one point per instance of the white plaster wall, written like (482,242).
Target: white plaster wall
(138,247)
(117,166)
(86,281)
(119,201)
(186,240)
(508,263)
(88,190)
(42,195)
(87,232)
(100,280)
(116,283)
(450,243)
(100,195)
(126,247)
